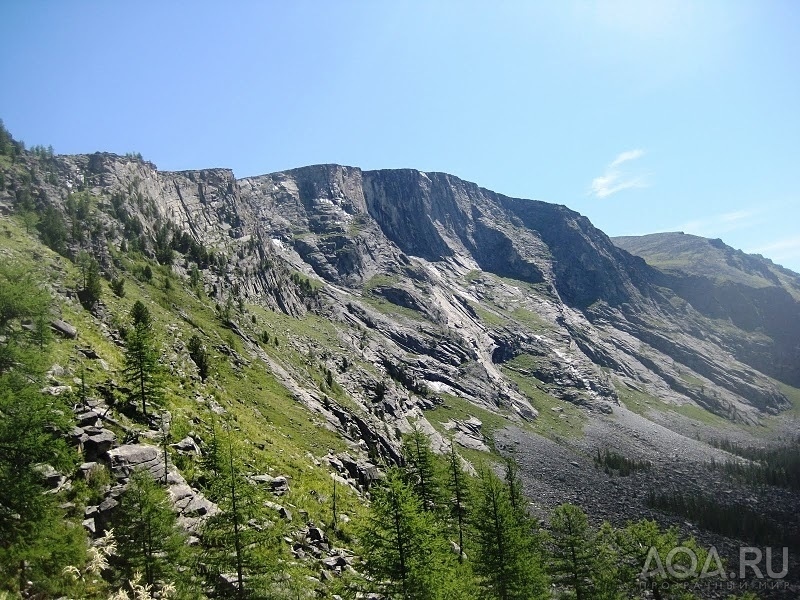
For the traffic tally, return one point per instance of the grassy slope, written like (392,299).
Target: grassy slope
(281,435)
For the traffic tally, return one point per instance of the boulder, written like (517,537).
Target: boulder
(187,446)
(136,456)
(64,328)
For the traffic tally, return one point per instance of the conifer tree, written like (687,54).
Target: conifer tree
(402,553)
(459,496)
(642,548)
(35,542)
(506,561)
(234,545)
(141,360)
(420,468)
(148,538)
(571,560)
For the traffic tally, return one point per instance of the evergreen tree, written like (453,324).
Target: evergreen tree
(140,315)
(198,354)
(21,298)
(420,468)
(459,496)
(402,553)
(572,552)
(53,230)
(92,288)
(141,360)
(642,547)
(514,485)
(148,538)
(235,545)
(35,541)
(506,561)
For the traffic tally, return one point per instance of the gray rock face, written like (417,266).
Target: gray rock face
(446,287)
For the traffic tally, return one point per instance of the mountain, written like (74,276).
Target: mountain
(397,297)
(759,298)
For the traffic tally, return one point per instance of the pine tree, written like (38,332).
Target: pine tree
(506,560)
(234,543)
(35,541)
(459,496)
(641,547)
(402,553)
(148,538)
(420,469)
(141,360)
(572,552)
(199,356)
(514,485)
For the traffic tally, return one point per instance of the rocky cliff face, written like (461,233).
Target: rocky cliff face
(459,288)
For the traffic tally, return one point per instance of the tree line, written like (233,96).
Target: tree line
(436,531)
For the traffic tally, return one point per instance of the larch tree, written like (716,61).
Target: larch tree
(506,561)
(148,538)
(141,368)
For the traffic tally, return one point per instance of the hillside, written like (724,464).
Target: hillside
(761,299)
(341,309)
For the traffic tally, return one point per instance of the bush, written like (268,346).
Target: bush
(118,287)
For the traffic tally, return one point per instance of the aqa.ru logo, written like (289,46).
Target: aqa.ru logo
(682,563)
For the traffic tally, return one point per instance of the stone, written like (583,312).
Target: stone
(56,390)
(97,445)
(64,328)
(187,446)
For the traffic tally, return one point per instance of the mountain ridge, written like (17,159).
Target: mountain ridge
(365,303)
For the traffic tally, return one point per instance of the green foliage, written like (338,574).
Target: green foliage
(53,230)
(92,288)
(419,471)
(199,355)
(572,562)
(778,466)
(194,277)
(7,145)
(140,315)
(148,537)
(31,430)
(236,540)
(118,287)
(732,520)
(35,543)
(403,555)
(507,561)
(613,462)
(163,245)
(458,499)
(141,370)
(631,547)
(22,300)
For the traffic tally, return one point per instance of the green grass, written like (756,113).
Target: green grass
(385,307)
(473,275)
(692,380)
(643,403)
(550,423)
(457,408)
(281,435)
(380,280)
(530,319)
(793,394)
(488,317)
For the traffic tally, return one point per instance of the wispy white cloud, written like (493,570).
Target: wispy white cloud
(615,179)
(715,225)
(626,156)
(785,249)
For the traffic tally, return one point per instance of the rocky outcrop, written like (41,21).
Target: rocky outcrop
(454,282)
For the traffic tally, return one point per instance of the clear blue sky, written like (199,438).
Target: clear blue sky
(644,116)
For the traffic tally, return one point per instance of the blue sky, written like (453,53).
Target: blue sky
(644,116)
